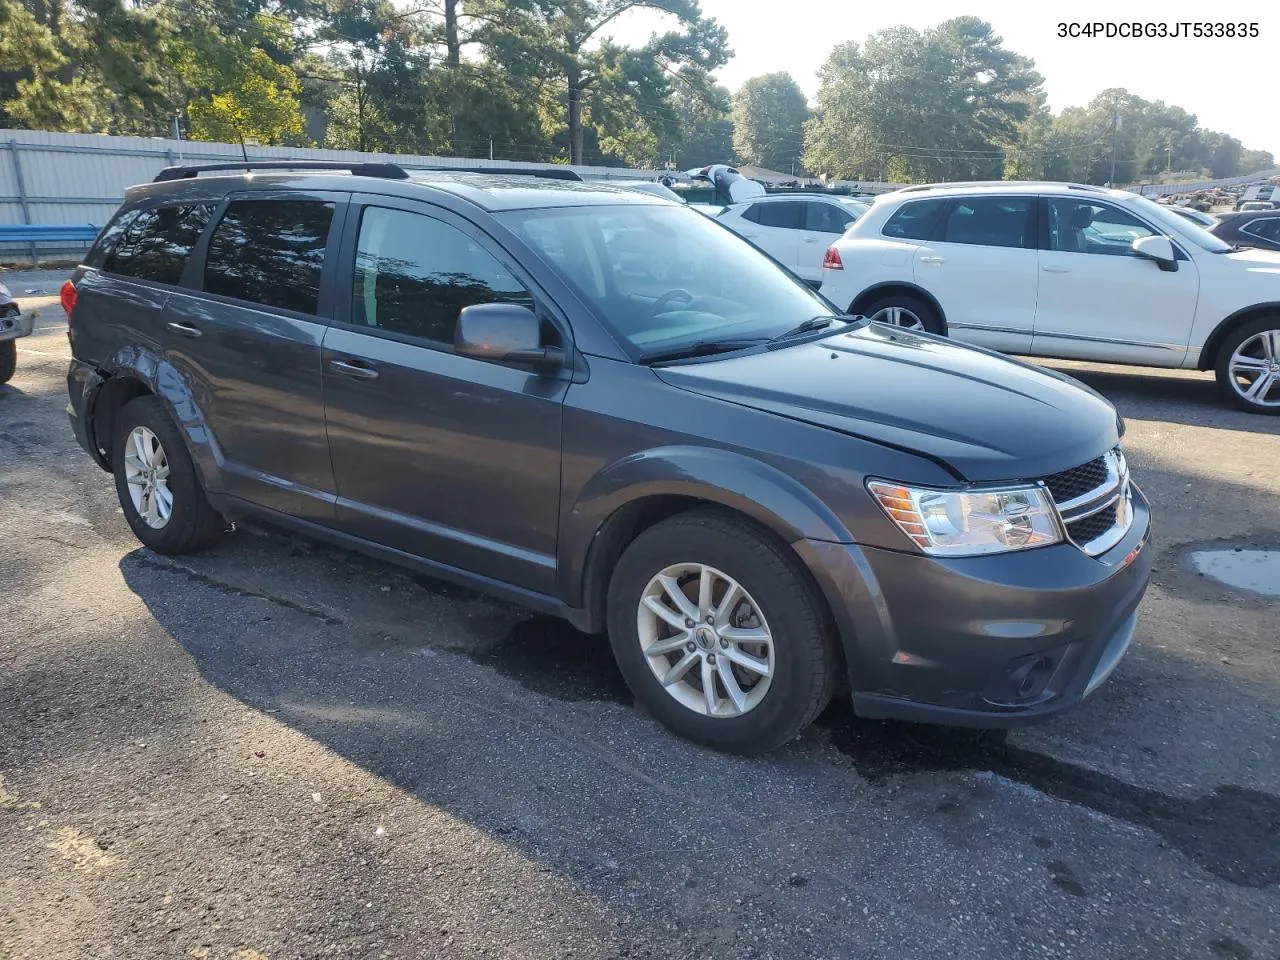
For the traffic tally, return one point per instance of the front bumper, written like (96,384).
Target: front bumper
(993,641)
(14,326)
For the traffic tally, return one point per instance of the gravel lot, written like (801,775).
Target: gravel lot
(277,749)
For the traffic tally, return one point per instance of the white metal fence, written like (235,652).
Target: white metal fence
(72,178)
(1163,189)
(75,178)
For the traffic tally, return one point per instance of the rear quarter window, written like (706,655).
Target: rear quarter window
(914,220)
(105,245)
(155,243)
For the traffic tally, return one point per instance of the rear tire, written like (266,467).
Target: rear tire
(906,311)
(156,481)
(1248,366)
(775,599)
(8,360)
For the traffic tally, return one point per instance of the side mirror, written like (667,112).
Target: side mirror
(504,333)
(1159,249)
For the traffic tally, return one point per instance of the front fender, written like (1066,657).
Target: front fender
(740,483)
(149,366)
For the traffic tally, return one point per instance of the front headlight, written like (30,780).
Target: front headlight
(960,523)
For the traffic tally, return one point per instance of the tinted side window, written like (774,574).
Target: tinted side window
(156,243)
(1083,226)
(106,243)
(826,217)
(1268,229)
(915,220)
(414,274)
(752,213)
(270,252)
(789,215)
(988,222)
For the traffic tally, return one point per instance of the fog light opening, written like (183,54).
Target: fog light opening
(1035,677)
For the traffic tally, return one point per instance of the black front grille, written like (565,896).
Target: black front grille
(1092,526)
(1072,483)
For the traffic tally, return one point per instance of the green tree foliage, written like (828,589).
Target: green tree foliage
(936,104)
(621,94)
(545,79)
(703,130)
(769,114)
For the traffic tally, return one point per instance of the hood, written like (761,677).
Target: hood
(1256,260)
(985,416)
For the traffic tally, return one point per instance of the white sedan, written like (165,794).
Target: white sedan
(795,228)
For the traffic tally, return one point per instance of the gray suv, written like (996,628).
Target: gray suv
(605,406)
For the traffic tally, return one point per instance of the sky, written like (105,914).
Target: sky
(1229,84)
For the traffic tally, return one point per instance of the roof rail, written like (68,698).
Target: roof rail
(546,173)
(1002,183)
(387,171)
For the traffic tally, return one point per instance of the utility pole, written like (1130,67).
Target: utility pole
(491,148)
(1115,131)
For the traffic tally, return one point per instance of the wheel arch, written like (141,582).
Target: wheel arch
(138,372)
(635,493)
(878,290)
(1209,352)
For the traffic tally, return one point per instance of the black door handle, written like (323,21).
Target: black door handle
(186,329)
(357,370)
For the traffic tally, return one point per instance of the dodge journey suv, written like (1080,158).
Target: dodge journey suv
(601,405)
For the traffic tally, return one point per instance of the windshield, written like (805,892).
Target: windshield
(662,277)
(1179,226)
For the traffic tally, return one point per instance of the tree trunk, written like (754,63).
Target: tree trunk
(360,145)
(575,116)
(451,33)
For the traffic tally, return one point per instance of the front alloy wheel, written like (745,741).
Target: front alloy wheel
(719,631)
(1255,369)
(705,640)
(1248,367)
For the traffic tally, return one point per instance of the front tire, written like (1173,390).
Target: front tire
(1248,367)
(720,634)
(8,359)
(906,311)
(156,482)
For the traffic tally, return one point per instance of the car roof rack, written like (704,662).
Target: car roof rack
(1003,183)
(546,173)
(387,171)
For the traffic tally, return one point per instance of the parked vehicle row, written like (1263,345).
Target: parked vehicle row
(795,229)
(1069,271)
(606,406)
(1250,229)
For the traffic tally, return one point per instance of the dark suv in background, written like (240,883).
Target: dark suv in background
(605,406)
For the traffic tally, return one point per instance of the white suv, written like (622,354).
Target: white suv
(794,228)
(1066,270)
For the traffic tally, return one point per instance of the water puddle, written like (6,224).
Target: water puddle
(1257,571)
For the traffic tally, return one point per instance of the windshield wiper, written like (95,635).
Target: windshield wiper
(699,348)
(820,322)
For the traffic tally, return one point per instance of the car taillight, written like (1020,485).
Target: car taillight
(832,260)
(69,297)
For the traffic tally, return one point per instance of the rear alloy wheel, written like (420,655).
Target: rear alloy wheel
(156,481)
(719,632)
(900,310)
(1248,368)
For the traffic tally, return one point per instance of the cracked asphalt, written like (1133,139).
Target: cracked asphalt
(277,749)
